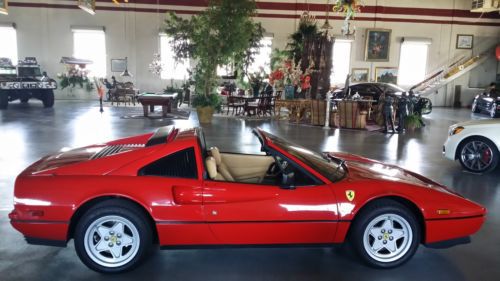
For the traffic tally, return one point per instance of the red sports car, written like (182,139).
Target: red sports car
(119,198)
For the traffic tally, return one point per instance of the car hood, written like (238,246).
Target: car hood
(480,122)
(360,168)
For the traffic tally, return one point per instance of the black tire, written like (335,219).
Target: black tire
(4,100)
(400,218)
(485,149)
(48,99)
(24,100)
(475,108)
(103,215)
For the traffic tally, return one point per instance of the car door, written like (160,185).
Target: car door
(175,190)
(243,213)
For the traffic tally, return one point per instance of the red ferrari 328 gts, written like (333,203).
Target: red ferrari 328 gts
(119,198)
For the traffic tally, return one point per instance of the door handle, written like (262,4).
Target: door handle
(187,195)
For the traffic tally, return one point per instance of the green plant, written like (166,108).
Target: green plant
(212,100)
(72,81)
(413,121)
(305,31)
(219,35)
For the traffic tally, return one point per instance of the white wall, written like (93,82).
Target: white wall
(46,34)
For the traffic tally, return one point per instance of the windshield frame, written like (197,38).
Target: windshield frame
(318,162)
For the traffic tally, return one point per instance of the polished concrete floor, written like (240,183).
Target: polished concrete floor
(28,132)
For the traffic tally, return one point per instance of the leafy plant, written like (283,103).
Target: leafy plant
(212,100)
(73,81)
(413,121)
(305,31)
(219,35)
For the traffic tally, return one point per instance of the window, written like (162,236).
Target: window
(341,61)
(181,164)
(263,56)
(90,44)
(412,62)
(171,69)
(225,70)
(8,47)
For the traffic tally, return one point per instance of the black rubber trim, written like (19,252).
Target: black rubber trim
(233,246)
(449,243)
(40,221)
(239,222)
(160,136)
(45,242)
(457,218)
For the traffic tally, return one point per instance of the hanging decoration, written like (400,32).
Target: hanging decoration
(349,8)
(156,66)
(4,7)
(118,2)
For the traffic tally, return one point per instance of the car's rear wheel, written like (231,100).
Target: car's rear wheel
(4,100)
(113,236)
(385,234)
(478,155)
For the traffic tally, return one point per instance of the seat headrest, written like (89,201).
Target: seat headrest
(211,167)
(214,151)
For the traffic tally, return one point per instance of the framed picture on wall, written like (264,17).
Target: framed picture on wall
(87,5)
(360,75)
(465,41)
(386,74)
(118,65)
(378,43)
(4,7)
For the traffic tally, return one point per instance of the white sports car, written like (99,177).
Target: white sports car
(476,144)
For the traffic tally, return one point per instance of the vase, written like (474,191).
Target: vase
(289,92)
(205,114)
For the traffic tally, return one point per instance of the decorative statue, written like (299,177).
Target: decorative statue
(388,112)
(403,111)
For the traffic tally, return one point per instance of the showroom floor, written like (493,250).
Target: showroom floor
(28,132)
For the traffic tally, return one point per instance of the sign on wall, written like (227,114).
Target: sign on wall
(378,42)
(4,7)
(87,5)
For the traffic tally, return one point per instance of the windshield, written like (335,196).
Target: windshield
(29,71)
(332,169)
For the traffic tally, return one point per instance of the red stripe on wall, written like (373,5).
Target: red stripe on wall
(323,7)
(262,15)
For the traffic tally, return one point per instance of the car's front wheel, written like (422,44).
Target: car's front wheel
(478,155)
(385,234)
(113,236)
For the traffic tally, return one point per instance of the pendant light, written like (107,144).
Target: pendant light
(126,73)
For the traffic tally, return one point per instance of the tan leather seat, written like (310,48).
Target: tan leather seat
(221,167)
(211,165)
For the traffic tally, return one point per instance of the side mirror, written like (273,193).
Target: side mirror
(427,108)
(288,181)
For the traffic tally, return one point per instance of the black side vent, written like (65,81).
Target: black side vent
(113,149)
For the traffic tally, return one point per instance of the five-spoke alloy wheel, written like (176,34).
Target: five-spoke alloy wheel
(113,236)
(385,234)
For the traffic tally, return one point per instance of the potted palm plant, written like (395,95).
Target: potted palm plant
(220,35)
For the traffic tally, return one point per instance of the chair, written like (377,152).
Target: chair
(236,103)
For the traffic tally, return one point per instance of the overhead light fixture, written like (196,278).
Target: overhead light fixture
(126,73)
(87,6)
(4,7)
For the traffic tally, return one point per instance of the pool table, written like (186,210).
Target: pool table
(151,99)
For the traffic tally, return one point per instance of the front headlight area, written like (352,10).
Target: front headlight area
(455,130)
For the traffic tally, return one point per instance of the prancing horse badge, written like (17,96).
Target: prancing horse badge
(350,194)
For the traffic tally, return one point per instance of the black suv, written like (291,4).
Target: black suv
(487,102)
